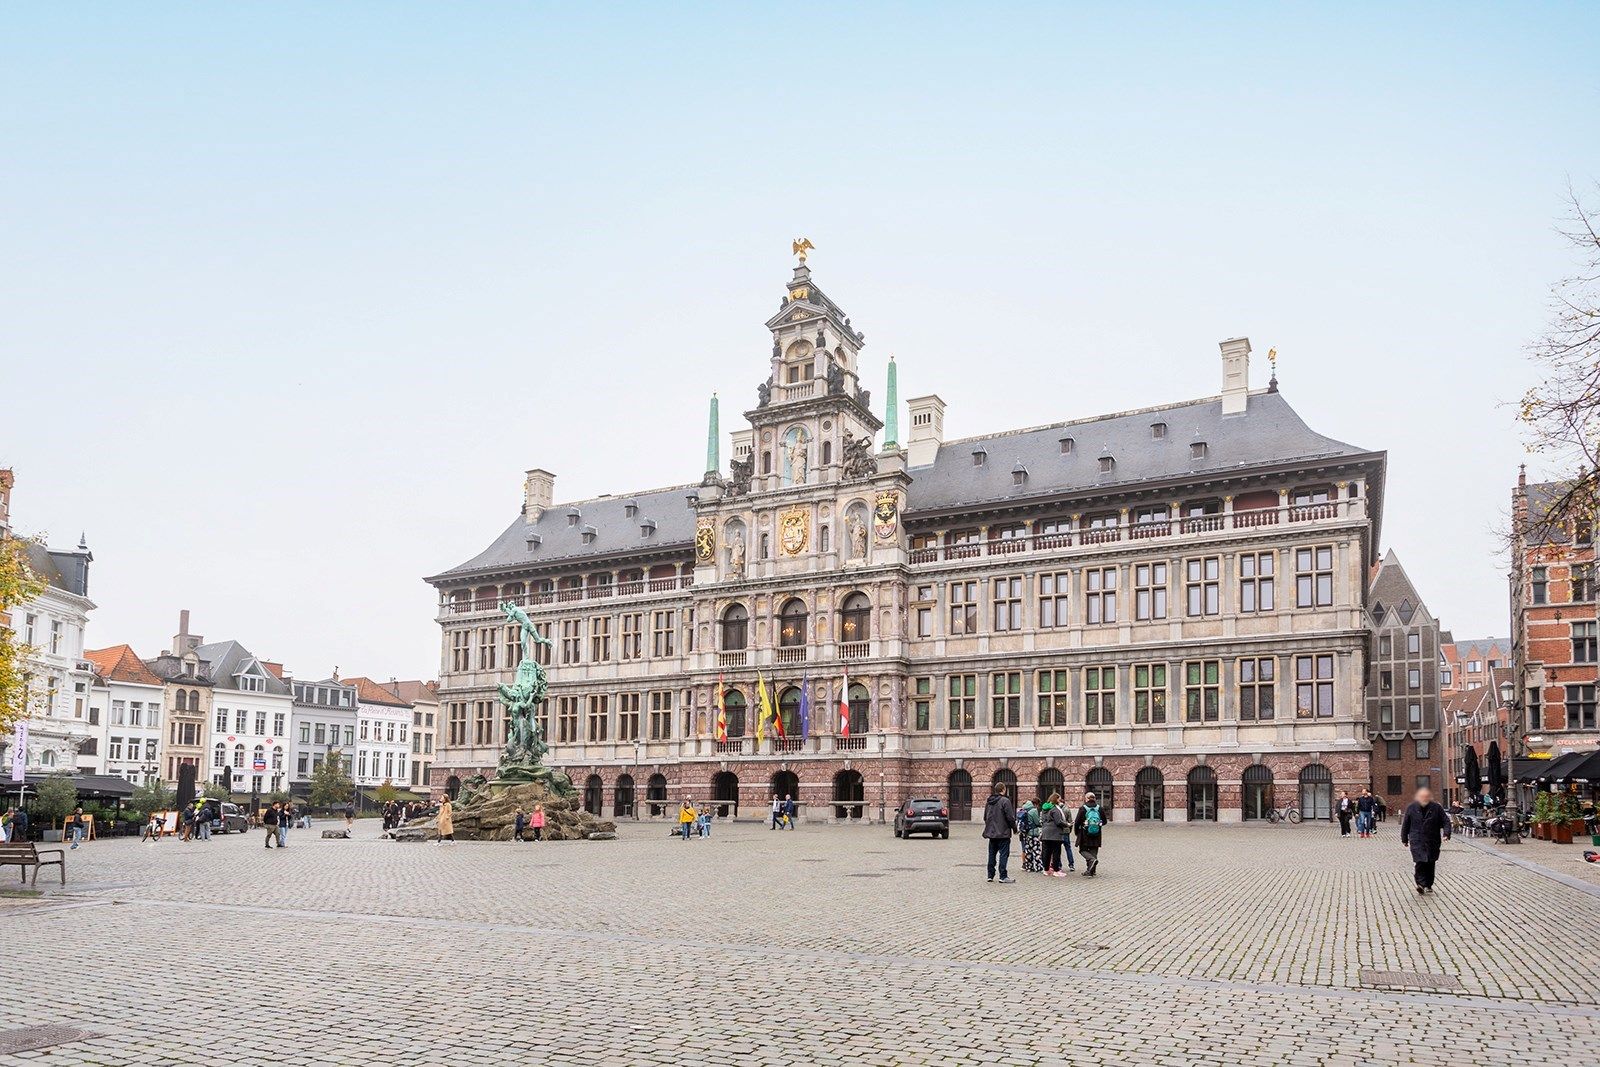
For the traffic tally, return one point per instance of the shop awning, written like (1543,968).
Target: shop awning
(1586,769)
(89,786)
(1553,770)
(401,796)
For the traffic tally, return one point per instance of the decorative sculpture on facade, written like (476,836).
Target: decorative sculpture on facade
(858,537)
(764,393)
(835,379)
(857,460)
(738,483)
(796,452)
(736,556)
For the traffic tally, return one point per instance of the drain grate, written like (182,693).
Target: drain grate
(863,876)
(34,1038)
(1408,980)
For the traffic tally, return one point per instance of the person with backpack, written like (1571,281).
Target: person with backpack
(1028,827)
(1086,827)
(999,823)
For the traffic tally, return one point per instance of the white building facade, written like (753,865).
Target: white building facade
(383,736)
(251,707)
(323,725)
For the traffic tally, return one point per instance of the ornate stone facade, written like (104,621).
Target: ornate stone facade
(1168,602)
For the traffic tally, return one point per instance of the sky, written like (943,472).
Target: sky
(293,294)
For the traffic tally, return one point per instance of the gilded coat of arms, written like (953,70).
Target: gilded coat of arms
(794,530)
(886,516)
(705,543)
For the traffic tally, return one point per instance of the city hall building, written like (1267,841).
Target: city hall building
(1165,606)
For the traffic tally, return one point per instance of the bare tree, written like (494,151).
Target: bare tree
(1562,412)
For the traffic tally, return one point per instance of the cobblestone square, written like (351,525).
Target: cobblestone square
(830,944)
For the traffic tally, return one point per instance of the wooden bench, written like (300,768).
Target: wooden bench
(30,855)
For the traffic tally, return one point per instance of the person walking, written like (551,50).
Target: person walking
(1053,828)
(1028,827)
(1423,828)
(518,826)
(1346,809)
(790,810)
(349,816)
(75,827)
(285,818)
(1086,827)
(999,823)
(447,821)
(269,819)
(536,820)
(1365,809)
(685,818)
(777,812)
(207,811)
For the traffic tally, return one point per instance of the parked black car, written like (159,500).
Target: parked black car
(922,815)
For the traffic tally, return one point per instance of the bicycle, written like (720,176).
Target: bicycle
(1288,812)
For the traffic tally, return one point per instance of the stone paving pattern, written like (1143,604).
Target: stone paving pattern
(1210,944)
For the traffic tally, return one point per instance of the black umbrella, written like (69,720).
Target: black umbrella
(1497,772)
(1474,776)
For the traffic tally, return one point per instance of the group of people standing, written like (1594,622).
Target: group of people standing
(692,820)
(1047,831)
(277,818)
(526,821)
(1364,811)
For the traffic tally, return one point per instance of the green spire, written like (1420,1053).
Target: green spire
(713,441)
(891,411)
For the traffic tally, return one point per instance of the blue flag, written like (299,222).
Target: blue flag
(805,706)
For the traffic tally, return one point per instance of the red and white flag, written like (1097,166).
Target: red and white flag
(844,706)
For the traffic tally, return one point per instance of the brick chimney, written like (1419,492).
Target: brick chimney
(183,641)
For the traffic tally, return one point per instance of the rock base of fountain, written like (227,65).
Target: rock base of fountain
(490,814)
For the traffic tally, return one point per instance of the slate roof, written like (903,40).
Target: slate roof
(1391,587)
(226,657)
(68,571)
(615,533)
(1266,433)
(1485,648)
(120,663)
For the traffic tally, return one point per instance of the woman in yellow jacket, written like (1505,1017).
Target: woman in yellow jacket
(686,818)
(447,822)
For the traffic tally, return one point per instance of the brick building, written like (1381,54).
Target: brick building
(1166,605)
(1474,718)
(1553,624)
(1468,665)
(1403,691)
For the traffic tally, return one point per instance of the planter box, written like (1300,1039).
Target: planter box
(52,837)
(1563,833)
(1541,831)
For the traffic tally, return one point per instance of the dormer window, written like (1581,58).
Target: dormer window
(1197,450)
(572,517)
(1067,446)
(647,528)
(979,457)
(630,509)
(1107,464)
(1019,474)
(534,541)
(1158,430)
(589,534)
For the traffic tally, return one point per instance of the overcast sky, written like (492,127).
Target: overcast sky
(291,296)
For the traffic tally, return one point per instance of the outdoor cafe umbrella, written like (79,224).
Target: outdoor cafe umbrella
(1497,774)
(1474,776)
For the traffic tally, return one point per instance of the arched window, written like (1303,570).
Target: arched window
(277,758)
(238,755)
(735,628)
(219,756)
(1149,795)
(594,793)
(725,794)
(1256,796)
(1051,782)
(786,785)
(1202,795)
(855,618)
(849,795)
(258,758)
(860,704)
(622,799)
(789,711)
(1316,792)
(47,758)
(194,700)
(958,788)
(1100,783)
(733,704)
(827,453)
(1006,777)
(181,700)
(452,787)
(655,791)
(792,623)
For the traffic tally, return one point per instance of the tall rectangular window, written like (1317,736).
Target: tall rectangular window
(1414,643)
(1257,696)
(1202,586)
(1053,590)
(1054,697)
(1099,696)
(600,639)
(1005,700)
(571,641)
(1313,686)
(963,608)
(1583,642)
(566,719)
(1582,581)
(1007,604)
(663,626)
(1100,595)
(921,703)
(1255,581)
(961,705)
(487,638)
(1541,585)
(628,716)
(1580,707)
(599,716)
(222,720)
(1313,577)
(511,639)
(632,637)
(1149,693)
(1202,690)
(1149,591)
(661,715)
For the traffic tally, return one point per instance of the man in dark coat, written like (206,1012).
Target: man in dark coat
(1423,828)
(999,823)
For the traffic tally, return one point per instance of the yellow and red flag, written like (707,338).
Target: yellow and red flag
(722,712)
(765,711)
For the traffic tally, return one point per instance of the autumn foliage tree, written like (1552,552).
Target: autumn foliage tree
(18,584)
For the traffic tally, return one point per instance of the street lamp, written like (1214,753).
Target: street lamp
(882,741)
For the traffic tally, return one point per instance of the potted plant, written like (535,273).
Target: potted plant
(1574,814)
(56,797)
(1541,815)
(1560,828)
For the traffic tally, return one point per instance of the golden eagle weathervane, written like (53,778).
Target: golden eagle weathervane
(802,245)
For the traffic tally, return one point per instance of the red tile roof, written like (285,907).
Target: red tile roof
(370,692)
(120,663)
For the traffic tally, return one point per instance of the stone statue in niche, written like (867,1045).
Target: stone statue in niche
(858,537)
(736,556)
(796,450)
(856,458)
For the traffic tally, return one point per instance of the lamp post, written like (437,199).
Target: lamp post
(1514,732)
(882,741)
(633,800)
